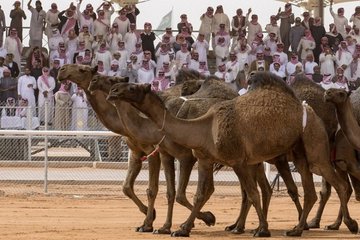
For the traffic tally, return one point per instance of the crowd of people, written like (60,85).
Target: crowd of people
(117,47)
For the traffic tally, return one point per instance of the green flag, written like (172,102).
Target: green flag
(165,21)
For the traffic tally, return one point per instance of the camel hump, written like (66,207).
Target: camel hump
(186,75)
(266,80)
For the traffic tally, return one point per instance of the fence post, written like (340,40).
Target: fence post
(29,123)
(46,148)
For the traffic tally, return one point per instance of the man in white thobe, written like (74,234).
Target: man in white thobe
(26,86)
(46,85)
(37,23)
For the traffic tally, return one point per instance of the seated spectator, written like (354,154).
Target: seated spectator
(317,76)
(203,70)
(8,86)
(145,73)
(22,112)
(340,80)
(201,46)
(114,69)
(9,118)
(11,65)
(309,64)
(278,70)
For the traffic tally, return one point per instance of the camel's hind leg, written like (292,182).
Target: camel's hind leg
(186,166)
(308,186)
(282,166)
(204,190)
(247,175)
(239,226)
(325,193)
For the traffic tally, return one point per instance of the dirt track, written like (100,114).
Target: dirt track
(67,216)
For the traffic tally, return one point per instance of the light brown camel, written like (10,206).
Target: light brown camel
(195,105)
(139,136)
(231,132)
(313,94)
(107,114)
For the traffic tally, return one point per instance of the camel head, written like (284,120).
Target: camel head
(190,87)
(336,96)
(129,92)
(104,83)
(79,74)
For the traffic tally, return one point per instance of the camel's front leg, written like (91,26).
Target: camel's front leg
(169,170)
(154,170)
(128,186)
(204,190)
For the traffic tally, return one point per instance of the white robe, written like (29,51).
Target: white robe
(51,18)
(113,39)
(123,26)
(11,46)
(25,91)
(130,40)
(309,67)
(346,58)
(50,97)
(105,57)
(79,113)
(220,53)
(36,23)
(100,28)
(202,48)
(340,23)
(145,76)
(327,64)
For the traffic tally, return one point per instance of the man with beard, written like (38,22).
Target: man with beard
(26,87)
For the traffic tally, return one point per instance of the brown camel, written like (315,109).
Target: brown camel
(195,105)
(348,113)
(140,135)
(273,118)
(107,114)
(313,94)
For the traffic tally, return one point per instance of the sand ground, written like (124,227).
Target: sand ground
(29,214)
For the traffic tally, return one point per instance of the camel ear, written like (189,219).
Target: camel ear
(147,87)
(94,69)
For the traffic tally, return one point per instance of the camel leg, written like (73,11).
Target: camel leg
(151,192)
(309,191)
(337,223)
(169,170)
(355,182)
(186,166)
(204,190)
(325,193)
(128,186)
(239,226)
(283,168)
(247,175)
(317,154)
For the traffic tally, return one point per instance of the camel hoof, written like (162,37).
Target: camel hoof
(183,225)
(163,231)
(238,231)
(313,224)
(335,226)
(306,227)
(208,218)
(144,228)
(263,233)
(180,233)
(230,227)
(294,233)
(352,226)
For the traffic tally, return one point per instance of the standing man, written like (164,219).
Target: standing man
(37,23)
(237,25)
(2,26)
(26,86)
(286,19)
(16,15)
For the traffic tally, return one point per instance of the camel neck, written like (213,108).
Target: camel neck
(189,133)
(106,112)
(348,123)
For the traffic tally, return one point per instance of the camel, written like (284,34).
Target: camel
(348,113)
(195,105)
(207,93)
(229,134)
(107,114)
(138,134)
